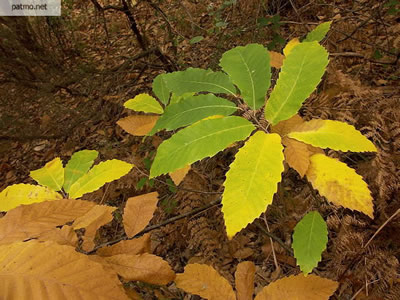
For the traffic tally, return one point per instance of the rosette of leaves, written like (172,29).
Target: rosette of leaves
(194,103)
(76,179)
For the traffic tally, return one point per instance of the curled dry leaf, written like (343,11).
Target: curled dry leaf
(142,267)
(98,216)
(138,212)
(204,281)
(132,247)
(244,280)
(30,221)
(46,270)
(138,124)
(178,175)
(299,287)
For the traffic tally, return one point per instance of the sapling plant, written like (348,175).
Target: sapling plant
(197,105)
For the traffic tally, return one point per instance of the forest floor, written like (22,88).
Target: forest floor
(361,87)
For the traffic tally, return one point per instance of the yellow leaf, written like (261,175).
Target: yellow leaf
(332,134)
(244,280)
(138,125)
(64,236)
(145,103)
(297,155)
(299,287)
(204,281)
(178,175)
(46,270)
(290,45)
(17,194)
(286,126)
(340,184)
(138,212)
(252,180)
(276,59)
(142,267)
(98,216)
(132,247)
(51,175)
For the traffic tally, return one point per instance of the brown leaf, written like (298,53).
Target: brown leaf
(297,155)
(286,126)
(178,175)
(138,212)
(138,124)
(299,287)
(46,270)
(30,221)
(276,59)
(244,280)
(204,281)
(64,236)
(132,247)
(142,267)
(243,253)
(98,216)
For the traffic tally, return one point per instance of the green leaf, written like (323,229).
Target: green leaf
(318,33)
(160,89)
(202,139)
(51,175)
(191,110)
(252,180)
(194,80)
(99,175)
(18,194)
(249,68)
(78,166)
(176,99)
(309,241)
(331,134)
(300,74)
(145,103)
(196,39)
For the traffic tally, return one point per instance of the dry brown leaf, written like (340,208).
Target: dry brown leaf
(178,175)
(138,124)
(299,287)
(46,270)
(98,216)
(64,236)
(142,267)
(132,247)
(297,155)
(244,280)
(29,221)
(276,59)
(204,281)
(138,212)
(287,126)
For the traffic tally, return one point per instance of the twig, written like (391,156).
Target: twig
(274,237)
(156,226)
(272,245)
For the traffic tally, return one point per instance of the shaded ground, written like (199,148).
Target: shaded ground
(361,87)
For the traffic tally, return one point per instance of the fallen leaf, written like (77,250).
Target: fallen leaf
(138,212)
(138,125)
(204,281)
(276,59)
(142,267)
(62,236)
(244,280)
(299,287)
(132,247)
(98,216)
(178,175)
